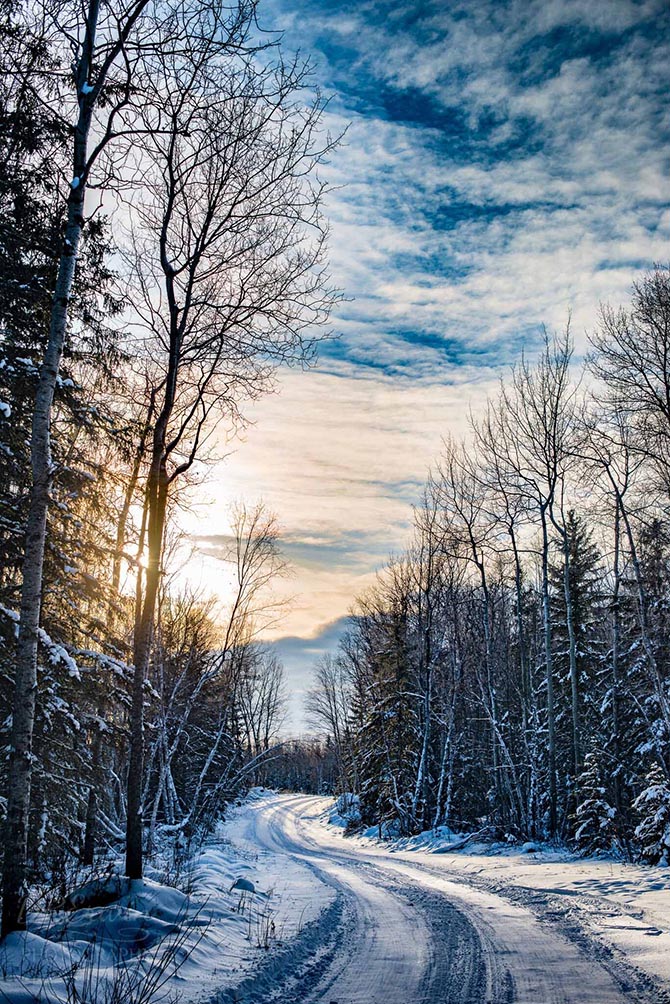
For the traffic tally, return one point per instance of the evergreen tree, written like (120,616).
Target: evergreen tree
(594,816)
(586,605)
(655,569)
(653,807)
(586,594)
(386,733)
(87,440)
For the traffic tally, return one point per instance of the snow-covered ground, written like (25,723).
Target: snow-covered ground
(356,920)
(422,925)
(626,906)
(156,943)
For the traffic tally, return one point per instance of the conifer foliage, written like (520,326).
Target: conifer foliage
(653,807)
(173,140)
(595,831)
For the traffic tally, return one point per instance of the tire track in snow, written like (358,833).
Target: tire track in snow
(471,945)
(395,943)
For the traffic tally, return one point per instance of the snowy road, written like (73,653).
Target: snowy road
(404,933)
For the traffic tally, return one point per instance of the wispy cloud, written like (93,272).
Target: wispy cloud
(300,655)
(500,159)
(505,163)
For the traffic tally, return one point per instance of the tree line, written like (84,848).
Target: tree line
(509,671)
(162,250)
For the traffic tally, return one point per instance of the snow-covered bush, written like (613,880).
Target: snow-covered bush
(347,811)
(653,830)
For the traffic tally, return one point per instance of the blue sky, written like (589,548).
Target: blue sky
(504,163)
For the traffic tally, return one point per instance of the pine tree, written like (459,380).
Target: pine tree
(386,736)
(594,816)
(653,830)
(587,617)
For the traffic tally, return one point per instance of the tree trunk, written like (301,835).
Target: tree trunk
(526,809)
(616,647)
(551,727)
(490,695)
(96,751)
(574,681)
(157,491)
(25,684)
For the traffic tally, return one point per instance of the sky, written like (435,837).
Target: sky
(505,163)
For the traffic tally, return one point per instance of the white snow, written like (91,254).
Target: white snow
(275,865)
(210,939)
(57,654)
(13,616)
(5,409)
(401,905)
(624,905)
(346,812)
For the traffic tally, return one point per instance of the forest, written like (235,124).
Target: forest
(508,673)
(162,251)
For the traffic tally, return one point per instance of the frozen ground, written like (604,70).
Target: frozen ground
(626,906)
(353,920)
(420,927)
(155,943)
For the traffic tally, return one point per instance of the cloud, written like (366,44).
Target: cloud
(504,164)
(499,159)
(299,657)
(340,461)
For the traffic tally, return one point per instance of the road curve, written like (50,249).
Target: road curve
(406,935)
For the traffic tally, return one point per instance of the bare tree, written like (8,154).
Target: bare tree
(328,702)
(509,507)
(536,424)
(228,261)
(260,701)
(231,660)
(428,559)
(632,358)
(611,455)
(467,532)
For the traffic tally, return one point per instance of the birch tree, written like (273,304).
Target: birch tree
(537,411)
(466,527)
(103,44)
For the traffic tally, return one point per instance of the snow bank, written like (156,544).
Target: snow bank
(347,811)
(147,940)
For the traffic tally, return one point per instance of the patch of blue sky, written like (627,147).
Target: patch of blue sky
(541,57)
(629,264)
(454,212)
(345,550)
(363,355)
(292,648)
(457,351)
(460,134)
(299,656)
(441,361)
